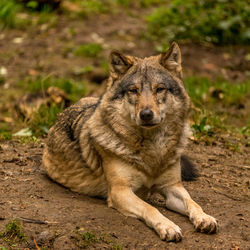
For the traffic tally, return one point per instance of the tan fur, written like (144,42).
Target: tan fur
(105,147)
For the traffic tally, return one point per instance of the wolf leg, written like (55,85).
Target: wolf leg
(124,200)
(179,200)
(122,180)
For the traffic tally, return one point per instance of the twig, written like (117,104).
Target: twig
(32,221)
(37,247)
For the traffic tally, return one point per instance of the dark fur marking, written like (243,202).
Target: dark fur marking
(71,115)
(171,85)
(124,85)
(131,101)
(148,76)
(93,149)
(75,123)
(106,121)
(188,170)
(164,99)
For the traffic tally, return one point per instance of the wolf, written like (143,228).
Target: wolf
(129,143)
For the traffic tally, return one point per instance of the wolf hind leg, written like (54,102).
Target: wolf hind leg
(179,200)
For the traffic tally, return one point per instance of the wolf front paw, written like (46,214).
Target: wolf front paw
(205,224)
(169,232)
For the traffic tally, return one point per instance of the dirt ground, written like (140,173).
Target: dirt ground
(26,192)
(61,215)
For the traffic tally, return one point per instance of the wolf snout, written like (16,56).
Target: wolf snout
(146,115)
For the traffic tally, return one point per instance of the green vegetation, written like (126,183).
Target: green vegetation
(88,50)
(13,14)
(140,3)
(43,119)
(215,21)
(5,135)
(35,6)
(117,247)
(13,233)
(219,22)
(46,17)
(93,7)
(75,90)
(9,10)
(212,100)
(90,239)
(2,80)
(202,91)
(5,131)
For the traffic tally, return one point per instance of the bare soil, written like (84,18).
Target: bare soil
(26,191)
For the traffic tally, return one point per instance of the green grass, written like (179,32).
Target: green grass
(14,14)
(13,233)
(219,22)
(94,7)
(117,247)
(43,119)
(9,10)
(75,90)
(46,17)
(91,240)
(5,134)
(88,238)
(2,80)
(88,50)
(203,91)
(5,131)
(139,3)
(216,106)
(46,115)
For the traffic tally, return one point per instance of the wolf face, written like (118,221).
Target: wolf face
(151,89)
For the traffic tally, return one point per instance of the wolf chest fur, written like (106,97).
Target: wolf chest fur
(131,137)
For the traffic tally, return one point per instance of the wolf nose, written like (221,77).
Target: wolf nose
(146,115)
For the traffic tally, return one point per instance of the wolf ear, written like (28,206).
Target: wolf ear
(119,63)
(171,60)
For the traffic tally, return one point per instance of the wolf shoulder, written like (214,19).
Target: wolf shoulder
(69,122)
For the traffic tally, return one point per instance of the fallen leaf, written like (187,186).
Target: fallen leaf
(18,40)
(32,72)
(24,132)
(3,71)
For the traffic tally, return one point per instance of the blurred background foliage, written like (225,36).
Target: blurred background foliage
(216,21)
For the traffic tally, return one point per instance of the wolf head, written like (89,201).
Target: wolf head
(148,92)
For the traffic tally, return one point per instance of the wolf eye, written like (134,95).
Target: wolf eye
(159,90)
(132,91)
